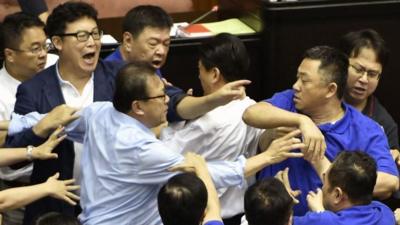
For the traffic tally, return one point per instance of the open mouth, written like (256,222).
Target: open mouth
(156,63)
(89,58)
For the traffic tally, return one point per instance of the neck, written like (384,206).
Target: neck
(359,105)
(123,53)
(77,78)
(329,112)
(15,72)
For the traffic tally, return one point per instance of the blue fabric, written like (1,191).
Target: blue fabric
(124,166)
(375,213)
(41,94)
(175,94)
(214,222)
(353,132)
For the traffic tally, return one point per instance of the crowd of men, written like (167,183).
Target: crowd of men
(142,151)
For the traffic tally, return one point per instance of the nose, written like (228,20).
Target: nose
(90,41)
(161,50)
(364,77)
(296,85)
(42,53)
(166,99)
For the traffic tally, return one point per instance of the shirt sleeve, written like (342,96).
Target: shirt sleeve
(283,100)
(315,218)
(214,222)
(20,123)
(175,96)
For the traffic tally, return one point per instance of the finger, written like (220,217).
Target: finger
(291,135)
(294,155)
(287,148)
(296,193)
(61,138)
(73,196)
(238,83)
(73,187)
(57,131)
(68,200)
(56,176)
(70,181)
(51,156)
(189,92)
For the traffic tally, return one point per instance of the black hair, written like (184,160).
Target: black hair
(228,53)
(131,84)
(334,66)
(182,200)
(68,12)
(267,202)
(56,218)
(140,17)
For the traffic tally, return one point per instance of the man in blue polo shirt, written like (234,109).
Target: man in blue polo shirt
(346,196)
(314,102)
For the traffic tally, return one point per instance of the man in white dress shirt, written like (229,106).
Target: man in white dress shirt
(220,134)
(25,53)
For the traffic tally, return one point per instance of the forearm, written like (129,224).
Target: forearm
(18,197)
(264,115)
(192,107)
(257,163)
(385,185)
(12,156)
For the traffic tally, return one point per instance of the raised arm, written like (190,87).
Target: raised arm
(192,107)
(18,197)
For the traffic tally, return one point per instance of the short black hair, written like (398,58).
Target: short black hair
(13,27)
(140,17)
(182,200)
(68,12)
(267,202)
(131,84)
(355,173)
(228,53)
(354,41)
(334,66)
(56,218)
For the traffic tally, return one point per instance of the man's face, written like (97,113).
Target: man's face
(205,77)
(156,108)
(150,46)
(309,87)
(79,56)
(364,72)
(31,55)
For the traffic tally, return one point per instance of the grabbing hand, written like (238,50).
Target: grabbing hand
(280,148)
(315,201)
(283,176)
(44,151)
(313,139)
(62,189)
(230,91)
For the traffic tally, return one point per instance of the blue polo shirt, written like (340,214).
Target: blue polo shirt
(375,213)
(175,94)
(353,132)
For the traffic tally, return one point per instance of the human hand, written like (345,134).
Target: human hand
(62,189)
(192,163)
(280,148)
(313,139)
(44,151)
(315,201)
(230,91)
(283,176)
(397,216)
(60,115)
(396,156)
(166,83)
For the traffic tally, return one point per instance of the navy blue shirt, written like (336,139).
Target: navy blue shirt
(375,213)
(353,132)
(175,94)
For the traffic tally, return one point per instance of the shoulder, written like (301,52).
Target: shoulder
(283,99)
(324,218)
(360,120)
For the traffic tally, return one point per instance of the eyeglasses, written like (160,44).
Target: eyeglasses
(371,74)
(36,49)
(155,97)
(83,35)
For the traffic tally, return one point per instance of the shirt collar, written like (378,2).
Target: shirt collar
(342,124)
(65,81)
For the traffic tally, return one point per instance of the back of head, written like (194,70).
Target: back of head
(353,42)
(182,200)
(66,13)
(55,218)
(355,174)
(228,53)
(131,84)
(140,17)
(13,27)
(267,202)
(334,66)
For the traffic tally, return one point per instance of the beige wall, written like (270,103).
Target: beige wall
(108,8)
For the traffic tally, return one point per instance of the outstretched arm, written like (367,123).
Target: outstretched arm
(11,156)
(18,197)
(192,107)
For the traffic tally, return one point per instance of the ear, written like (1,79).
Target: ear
(339,195)
(216,75)
(57,42)
(332,90)
(136,108)
(127,40)
(9,55)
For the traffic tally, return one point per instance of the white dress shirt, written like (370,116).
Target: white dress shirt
(219,134)
(8,90)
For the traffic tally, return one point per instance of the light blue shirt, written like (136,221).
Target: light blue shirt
(124,165)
